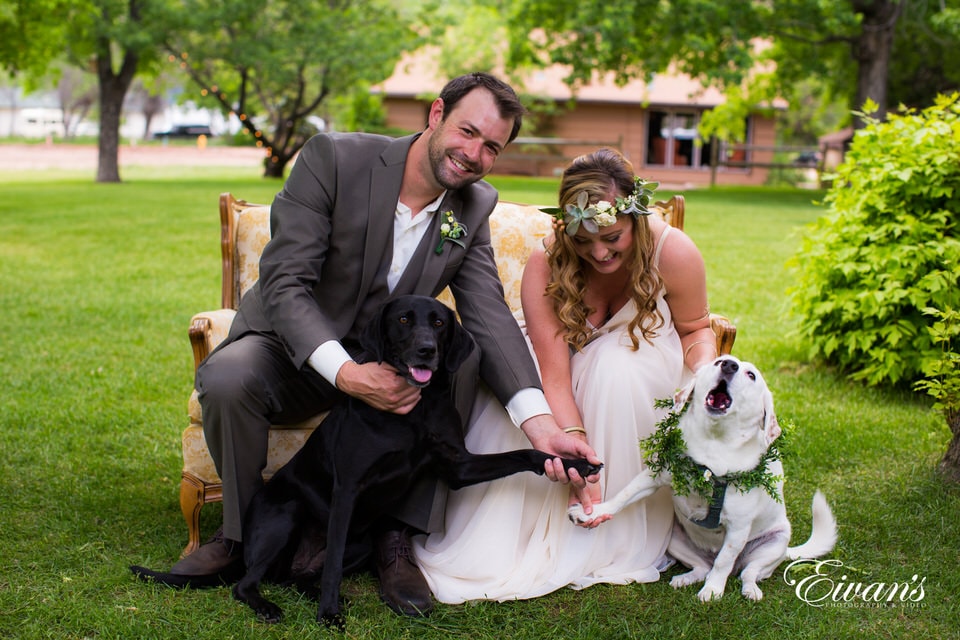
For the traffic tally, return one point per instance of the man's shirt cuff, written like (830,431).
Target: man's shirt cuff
(527,403)
(328,358)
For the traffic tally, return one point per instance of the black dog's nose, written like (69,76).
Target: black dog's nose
(427,350)
(729,367)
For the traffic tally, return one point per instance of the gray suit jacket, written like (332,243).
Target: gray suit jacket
(332,236)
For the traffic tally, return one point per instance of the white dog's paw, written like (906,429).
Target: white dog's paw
(687,579)
(576,514)
(710,592)
(751,591)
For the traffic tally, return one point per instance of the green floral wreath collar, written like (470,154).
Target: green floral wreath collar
(602,214)
(665,450)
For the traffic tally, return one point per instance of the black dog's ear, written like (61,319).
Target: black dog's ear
(371,338)
(460,344)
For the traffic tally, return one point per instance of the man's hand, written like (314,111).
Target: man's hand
(544,434)
(378,385)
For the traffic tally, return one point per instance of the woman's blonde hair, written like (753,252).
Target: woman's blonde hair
(600,173)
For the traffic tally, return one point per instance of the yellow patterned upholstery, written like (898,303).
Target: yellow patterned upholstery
(515,231)
(245,228)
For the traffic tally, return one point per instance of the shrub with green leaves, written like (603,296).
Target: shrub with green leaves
(887,248)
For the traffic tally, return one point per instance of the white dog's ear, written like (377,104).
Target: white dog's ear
(682,395)
(771,428)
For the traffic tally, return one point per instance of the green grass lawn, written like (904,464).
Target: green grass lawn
(97,286)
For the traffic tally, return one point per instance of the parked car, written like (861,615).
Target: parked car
(807,159)
(185,131)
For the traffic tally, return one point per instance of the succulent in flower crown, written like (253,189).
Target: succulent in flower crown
(602,214)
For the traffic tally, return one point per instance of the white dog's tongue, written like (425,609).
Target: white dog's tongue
(420,374)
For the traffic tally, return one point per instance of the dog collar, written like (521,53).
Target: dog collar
(712,519)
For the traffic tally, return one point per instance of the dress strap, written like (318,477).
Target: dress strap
(663,237)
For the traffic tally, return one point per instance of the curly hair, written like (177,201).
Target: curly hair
(600,173)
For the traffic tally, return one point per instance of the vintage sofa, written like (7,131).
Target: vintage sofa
(244,230)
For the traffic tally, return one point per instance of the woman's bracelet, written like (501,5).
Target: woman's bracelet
(575,429)
(686,351)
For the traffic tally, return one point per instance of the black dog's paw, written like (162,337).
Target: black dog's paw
(269,612)
(250,595)
(333,620)
(266,611)
(583,467)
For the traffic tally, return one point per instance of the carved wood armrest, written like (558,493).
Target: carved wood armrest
(207,330)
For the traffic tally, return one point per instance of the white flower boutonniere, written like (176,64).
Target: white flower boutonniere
(451,230)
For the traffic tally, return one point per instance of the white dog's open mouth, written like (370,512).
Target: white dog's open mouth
(718,400)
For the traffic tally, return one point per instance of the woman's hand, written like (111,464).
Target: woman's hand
(545,435)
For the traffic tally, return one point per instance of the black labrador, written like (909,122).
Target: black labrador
(361,461)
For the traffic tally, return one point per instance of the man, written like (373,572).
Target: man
(358,221)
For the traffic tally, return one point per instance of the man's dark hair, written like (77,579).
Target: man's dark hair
(507,101)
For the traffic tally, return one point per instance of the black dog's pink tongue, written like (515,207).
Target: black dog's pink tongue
(420,374)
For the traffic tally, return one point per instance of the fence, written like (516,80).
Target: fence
(748,156)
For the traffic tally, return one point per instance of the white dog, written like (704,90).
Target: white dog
(727,429)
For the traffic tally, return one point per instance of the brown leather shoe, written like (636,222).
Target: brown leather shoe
(402,586)
(215,557)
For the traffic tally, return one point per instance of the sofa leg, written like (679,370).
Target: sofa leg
(194,493)
(191,501)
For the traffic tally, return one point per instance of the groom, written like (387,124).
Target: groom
(357,222)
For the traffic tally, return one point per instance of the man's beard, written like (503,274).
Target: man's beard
(442,172)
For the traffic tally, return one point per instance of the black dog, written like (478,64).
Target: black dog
(362,461)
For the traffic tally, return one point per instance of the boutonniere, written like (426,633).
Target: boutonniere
(451,230)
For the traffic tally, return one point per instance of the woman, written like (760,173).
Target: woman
(615,309)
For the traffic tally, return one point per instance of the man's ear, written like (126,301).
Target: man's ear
(435,116)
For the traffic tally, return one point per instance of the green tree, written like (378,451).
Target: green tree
(115,39)
(273,63)
(848,43)
(29,39)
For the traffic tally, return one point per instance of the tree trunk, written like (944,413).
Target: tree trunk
(275,164)
(872,51)
(950,464)
(108,144)
(113,89)
(273,167)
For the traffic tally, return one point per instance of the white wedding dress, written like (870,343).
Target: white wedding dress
(511,538)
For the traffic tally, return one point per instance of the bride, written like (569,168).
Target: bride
(615,310)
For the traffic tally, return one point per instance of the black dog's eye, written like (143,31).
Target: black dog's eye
(404,319)
(751,375)
(438,323)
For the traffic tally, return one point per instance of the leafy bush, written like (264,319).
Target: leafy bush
(888,248)
(942,382)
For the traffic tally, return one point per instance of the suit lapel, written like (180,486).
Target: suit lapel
(384,191)
(434,263)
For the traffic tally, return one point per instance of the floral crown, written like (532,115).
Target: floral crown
(602,214)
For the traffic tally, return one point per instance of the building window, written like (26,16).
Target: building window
(671,139)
